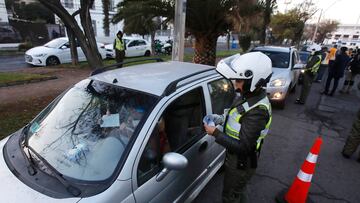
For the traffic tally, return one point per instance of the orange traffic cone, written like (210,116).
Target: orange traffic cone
(298,191)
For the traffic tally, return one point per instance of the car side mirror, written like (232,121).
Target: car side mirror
(172,161)
(298,66)
(63,47)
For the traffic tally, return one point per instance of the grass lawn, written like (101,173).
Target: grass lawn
(187,58)
(9,77)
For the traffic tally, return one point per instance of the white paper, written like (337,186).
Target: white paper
(109,121)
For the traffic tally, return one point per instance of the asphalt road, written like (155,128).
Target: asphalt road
(12,63)
(292,134)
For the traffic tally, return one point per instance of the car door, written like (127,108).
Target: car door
(295,72)
(80,52)
(64,54)
(131,49)
(177,128)
(142,48)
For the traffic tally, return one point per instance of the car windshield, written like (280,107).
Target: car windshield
(304,56)
(84,134)
(56,43)
(278,59)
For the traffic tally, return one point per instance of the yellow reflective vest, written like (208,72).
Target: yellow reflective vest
(233,125)
(119,44)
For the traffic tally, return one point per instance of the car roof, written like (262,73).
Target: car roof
(152,78)
(273,48)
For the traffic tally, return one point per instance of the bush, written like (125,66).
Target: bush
(245,42)
(25,46)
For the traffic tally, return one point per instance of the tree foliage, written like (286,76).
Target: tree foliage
(268,7)
(325,27)
(291,25)
(34,11)
(142,17)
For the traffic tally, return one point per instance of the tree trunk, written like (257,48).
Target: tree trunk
(106,20)
(152,35)
(73,47)
(86,42)
(205,49)
(86,23)
(228,41)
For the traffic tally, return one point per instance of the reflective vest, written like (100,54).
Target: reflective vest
(233,125)
(316,66)
(119,44)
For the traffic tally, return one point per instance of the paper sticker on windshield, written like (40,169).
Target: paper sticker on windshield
(34,127)
(108,121)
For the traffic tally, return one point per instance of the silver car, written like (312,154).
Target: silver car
(128,135)
(286,71)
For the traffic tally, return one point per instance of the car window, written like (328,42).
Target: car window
(133,43)
(178,128)
(141,42)
(56,43)
(88,131)
(278,59)
(222,94)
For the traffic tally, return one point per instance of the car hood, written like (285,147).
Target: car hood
(279,73)
(13,190)
(39,50)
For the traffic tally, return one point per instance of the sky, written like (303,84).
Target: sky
(344,11)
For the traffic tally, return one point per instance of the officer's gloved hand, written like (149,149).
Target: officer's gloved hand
(213,119)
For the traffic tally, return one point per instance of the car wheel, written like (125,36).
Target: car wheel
(147,53)
(52,61)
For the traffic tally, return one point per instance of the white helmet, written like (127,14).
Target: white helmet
(254,65)
(314,47)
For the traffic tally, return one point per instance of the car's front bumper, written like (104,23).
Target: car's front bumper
(36,61)
(277,93)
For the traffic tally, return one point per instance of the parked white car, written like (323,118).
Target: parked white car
(55,52)
(134,47)
(286,71)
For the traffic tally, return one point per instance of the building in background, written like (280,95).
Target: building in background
(3,12)
(97,17)
(345,35)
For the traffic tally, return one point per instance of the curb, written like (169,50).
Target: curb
(27,81)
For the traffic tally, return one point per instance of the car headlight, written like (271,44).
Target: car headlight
(278,82)
(303,71)
(39,55)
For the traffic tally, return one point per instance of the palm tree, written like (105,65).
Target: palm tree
(142,17)
(206,20)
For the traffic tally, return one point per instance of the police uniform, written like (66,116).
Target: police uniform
(312,68)
(119,47)
(244,129)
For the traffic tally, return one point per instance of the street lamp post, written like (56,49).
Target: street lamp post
(179,31)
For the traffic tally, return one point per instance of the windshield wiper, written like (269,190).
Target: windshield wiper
(30,164)
(70,188)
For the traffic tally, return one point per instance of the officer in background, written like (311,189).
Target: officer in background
(119,47)
(312,67)
(242,129)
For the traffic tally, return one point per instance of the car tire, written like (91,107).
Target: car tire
(52,61)
(147,53)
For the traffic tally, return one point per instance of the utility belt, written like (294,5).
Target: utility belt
(245,162)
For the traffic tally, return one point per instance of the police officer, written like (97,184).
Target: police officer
(243,127)
(311,69)
(119,47)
